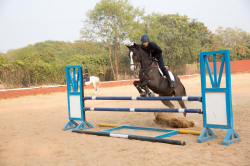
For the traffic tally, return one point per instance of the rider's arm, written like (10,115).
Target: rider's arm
(156,48)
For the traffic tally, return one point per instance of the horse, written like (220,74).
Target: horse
(90,80)
(151,78)
(95,81)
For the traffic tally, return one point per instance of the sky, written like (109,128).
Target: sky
(24,22)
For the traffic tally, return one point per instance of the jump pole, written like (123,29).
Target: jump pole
(179,130)
(128,136)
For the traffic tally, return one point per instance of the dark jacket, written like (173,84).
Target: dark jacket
(154,49)
(86,71)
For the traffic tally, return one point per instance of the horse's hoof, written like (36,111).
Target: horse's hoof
(143,94)
(185,114)
(151,94)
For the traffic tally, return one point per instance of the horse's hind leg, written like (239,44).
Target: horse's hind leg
(95,87)
(180,91)
(167,103)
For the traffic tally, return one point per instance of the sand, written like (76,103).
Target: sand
(31,132)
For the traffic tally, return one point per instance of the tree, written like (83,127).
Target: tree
(180,38)
(236,40)
(112,22)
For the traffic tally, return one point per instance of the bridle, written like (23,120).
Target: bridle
(146,67)
(138,64)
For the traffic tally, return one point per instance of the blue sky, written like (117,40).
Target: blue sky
(24,22)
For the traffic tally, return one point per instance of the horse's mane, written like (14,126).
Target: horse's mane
(144,50)
(135,46)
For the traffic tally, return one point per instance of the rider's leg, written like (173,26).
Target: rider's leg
(165,71)
(84,80)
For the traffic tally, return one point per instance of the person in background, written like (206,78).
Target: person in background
(85,75)
(86,72)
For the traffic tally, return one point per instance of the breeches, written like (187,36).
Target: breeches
(161,64)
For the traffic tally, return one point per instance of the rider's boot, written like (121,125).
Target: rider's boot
(171,83)
(84,80)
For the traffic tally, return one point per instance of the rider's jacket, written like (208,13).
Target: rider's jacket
(154,49)
(86,71)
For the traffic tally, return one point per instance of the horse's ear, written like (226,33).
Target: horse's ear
(128,46)
(136,45)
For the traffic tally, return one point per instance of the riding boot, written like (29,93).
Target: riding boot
(165,73)
(84,80)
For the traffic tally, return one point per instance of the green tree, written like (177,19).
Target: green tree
(112,22)
(234,39)
(180,38)
(3,61)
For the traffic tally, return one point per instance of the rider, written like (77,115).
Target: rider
(86,72)
(156,52)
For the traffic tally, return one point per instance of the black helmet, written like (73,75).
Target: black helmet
(144,38)
(85,65)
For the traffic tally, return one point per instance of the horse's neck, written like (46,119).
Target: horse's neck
(145,60)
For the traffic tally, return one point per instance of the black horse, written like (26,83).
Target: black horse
(151,78)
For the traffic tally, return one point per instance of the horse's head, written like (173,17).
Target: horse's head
(134,56)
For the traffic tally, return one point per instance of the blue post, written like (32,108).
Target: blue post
(75,99)
(217,101)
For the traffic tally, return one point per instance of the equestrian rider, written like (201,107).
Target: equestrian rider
(86,72)
(156,52)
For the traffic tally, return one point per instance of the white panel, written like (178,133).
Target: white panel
(75,106)
(216,108)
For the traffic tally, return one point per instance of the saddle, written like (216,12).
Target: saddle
(86,79)
(155,64)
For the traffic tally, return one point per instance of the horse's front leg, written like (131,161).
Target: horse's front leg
(144,86)
(150,94)
(138,86)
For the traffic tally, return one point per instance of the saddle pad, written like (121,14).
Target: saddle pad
(171,75)
(87,79)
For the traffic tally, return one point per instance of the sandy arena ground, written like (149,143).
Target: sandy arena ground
(31,132)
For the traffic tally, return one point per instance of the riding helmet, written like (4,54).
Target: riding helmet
(144,38)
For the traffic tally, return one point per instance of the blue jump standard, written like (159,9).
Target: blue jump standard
(184,98)
(128,136)
(144,110)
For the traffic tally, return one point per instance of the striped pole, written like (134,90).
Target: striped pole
(144,110)
(142,138)
(184,98)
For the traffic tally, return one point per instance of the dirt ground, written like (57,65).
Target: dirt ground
(31,132)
